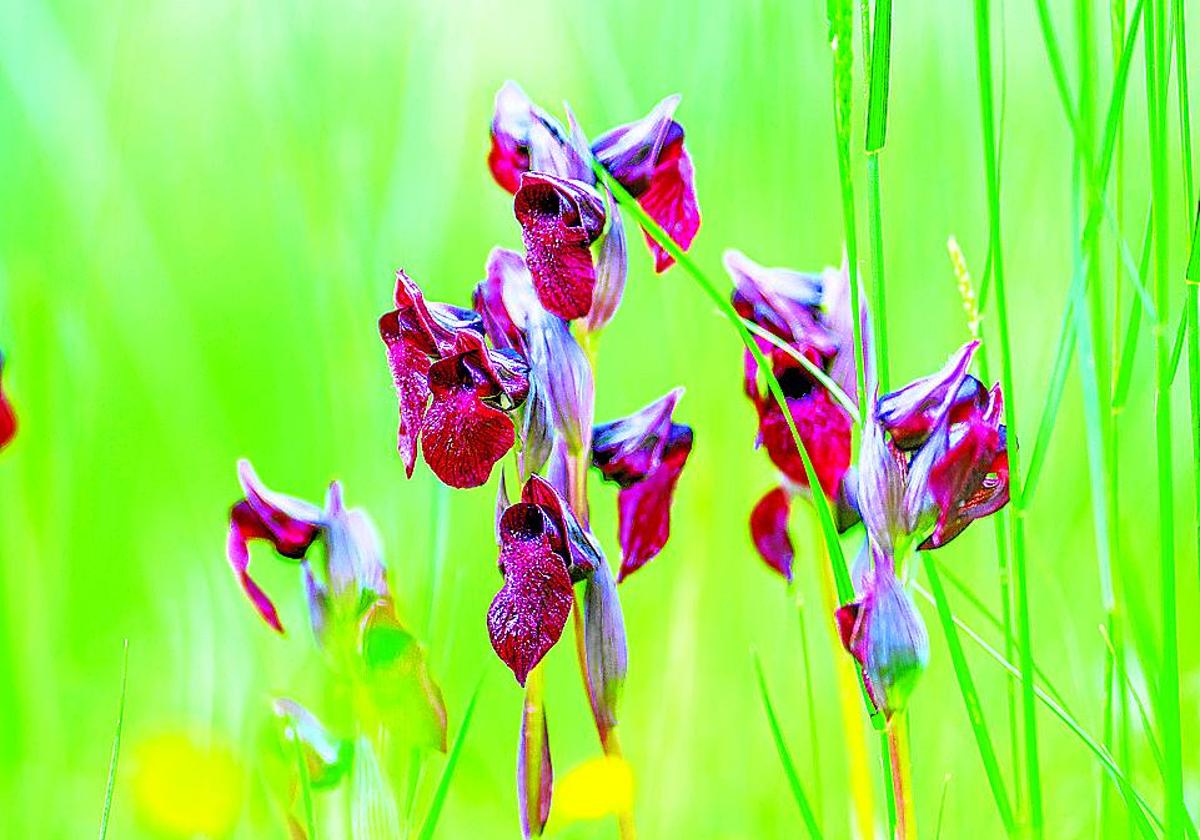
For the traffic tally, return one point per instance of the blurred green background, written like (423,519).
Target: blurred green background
(201,208)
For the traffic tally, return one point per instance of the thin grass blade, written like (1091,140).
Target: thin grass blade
(429,826)
(116,747)
(785,756)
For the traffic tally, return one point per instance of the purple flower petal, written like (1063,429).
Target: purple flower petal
(824,427)
(882,477)
(353,551)
(671,201)
(534,814)
(290,524)
(520,131)
(529,612)
(564,375)
(245,525)
(769,530)
(560,219)
(627,450)
(631,152)
(884,632)
(970,479)
(912,412)
(645,507)
(494,298)
(612,269)
(786,302)
(605,646)
(8,418)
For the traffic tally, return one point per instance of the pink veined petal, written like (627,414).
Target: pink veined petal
(671,201)
(534,815)
(560,220)
(245,525)
(463,437)
(410,374)
(528,614)
(644,507)
(769,530)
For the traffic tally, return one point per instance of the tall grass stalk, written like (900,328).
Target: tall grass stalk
(970,696)
(1192,289)
(1168,689)
(785,757)
(429,826)
(879,70)
(1016,517)
(110,785)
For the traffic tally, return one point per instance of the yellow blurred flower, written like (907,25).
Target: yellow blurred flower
(184,789)
(599,787)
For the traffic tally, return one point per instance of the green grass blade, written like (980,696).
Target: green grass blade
(1129,348)
(881,61)
(832,387)
(983,45)
(785,757)
(1142,811)
(116,747)
(429,826)
(1177,345)
(966,686)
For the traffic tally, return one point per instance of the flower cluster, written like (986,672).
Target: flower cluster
(810,316)
(934,458)
(511,374)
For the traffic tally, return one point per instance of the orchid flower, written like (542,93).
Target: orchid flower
(543,550)
(455,393)
(563,214)
(933,460)
(644,454)
(810,314)
(354,572)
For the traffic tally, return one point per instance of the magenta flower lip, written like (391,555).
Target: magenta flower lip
(455,393)
(543,550)
(644,454)
(560,219)
(8,418)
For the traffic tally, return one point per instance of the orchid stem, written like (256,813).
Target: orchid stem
(901,774)
(534,712)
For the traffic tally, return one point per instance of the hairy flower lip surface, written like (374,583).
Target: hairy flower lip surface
(560,219)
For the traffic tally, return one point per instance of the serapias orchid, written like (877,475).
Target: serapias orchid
(934,458)
(455,393)
(563,214)
(544,550)
(644,453)
(8,418)
(353,572)
(811,315)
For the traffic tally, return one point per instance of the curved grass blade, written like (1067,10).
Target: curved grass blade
(310,817)
(116,748)
(970,696)
(785,757)
(1129,348)
(1141,810)
(443,787)
(832,387)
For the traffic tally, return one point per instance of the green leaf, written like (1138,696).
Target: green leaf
(394,686)
(443,787)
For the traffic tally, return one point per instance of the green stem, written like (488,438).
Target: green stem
(1016,517)
(1168,689)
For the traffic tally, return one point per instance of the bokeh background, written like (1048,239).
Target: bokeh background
(201,208)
